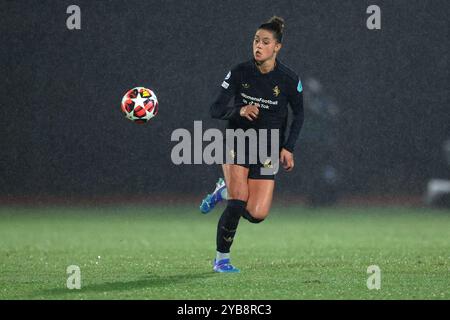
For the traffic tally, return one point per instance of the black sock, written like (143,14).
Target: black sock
(249,217)
(228,223)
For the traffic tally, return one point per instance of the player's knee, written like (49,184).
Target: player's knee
(237,194)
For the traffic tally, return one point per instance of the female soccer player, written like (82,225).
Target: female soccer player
(262,88)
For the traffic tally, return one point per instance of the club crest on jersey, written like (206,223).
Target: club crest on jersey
(245,85)
(276,91)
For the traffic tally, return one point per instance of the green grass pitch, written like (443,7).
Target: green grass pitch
(166,253)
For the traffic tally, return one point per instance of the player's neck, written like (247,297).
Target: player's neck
(266,66)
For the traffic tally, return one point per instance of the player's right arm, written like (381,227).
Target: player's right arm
(220,109)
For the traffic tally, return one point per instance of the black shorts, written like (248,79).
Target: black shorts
(254,172)
(262,169)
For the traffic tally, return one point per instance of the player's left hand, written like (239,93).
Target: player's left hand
(287,159)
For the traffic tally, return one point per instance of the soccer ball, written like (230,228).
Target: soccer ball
(140,104)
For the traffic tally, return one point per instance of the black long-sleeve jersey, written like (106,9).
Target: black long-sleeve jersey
(272,91)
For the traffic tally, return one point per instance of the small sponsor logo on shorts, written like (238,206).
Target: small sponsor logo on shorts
(268,164)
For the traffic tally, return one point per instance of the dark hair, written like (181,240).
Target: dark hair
(276,25)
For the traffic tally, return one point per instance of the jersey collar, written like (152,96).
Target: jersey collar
(257,72)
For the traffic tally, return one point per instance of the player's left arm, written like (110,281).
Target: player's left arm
(295,99)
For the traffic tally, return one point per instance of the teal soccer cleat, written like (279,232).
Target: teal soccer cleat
(212,199)
(224,266)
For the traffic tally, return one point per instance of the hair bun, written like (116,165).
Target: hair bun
(278,22)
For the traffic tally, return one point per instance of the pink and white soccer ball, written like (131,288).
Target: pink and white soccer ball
(140,104)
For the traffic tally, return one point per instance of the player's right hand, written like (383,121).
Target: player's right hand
(249,111)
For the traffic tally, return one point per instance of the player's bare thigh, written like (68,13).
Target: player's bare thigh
(260,194)
(236,179)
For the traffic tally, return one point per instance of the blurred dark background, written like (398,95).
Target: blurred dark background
(377,101)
